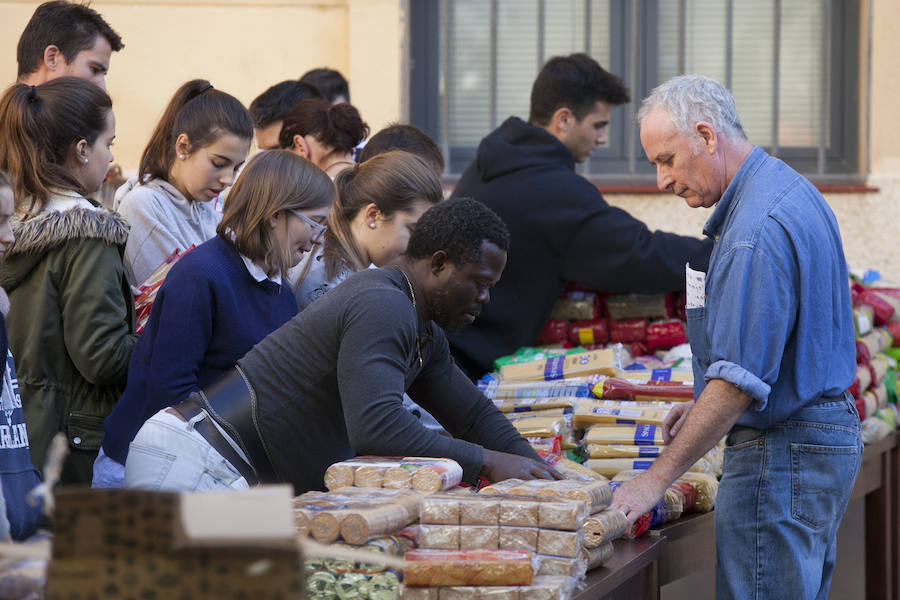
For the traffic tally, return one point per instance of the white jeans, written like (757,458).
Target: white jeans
(107,472)
(168,454)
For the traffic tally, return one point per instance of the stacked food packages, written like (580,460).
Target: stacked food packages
(422,474)
(645,323)
(876,321)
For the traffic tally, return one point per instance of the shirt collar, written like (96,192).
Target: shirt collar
(257,273)
(727,202)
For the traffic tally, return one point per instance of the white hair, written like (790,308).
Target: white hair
(690,99)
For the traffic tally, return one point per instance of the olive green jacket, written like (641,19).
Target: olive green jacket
(71,324)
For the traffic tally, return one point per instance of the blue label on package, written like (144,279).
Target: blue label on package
(644,435)
(649,452)
(642,465)
(554,368)
(661,375)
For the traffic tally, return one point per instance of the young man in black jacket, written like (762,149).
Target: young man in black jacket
(561,229)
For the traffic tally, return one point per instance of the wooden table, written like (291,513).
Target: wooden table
(632,572)
(876,482)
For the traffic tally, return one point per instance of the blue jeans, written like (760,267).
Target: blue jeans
(781,500)
(107,472)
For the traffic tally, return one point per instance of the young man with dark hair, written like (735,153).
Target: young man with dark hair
(328,385)
(269,108)
(330,82)
(408,138)
(561,228)
(66,39)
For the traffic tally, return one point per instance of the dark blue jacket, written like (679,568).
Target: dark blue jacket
(207,314)
(561,230)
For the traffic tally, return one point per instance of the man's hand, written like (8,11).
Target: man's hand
(636,497)
(498,466)
(674,420)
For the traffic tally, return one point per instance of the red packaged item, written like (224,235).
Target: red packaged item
(631,330)
(590,333)
(554,332)
(860,408)
(619,389)
(862,353)
(892,292)
(639,527)
(639,349)
(854,387)
(145,294)
(665,334)
(688,492)
(883,310)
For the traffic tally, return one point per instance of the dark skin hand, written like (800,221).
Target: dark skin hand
(498,466)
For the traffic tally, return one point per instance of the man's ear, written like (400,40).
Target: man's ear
(708,136)
(53,58)
(439,262)
(562,120)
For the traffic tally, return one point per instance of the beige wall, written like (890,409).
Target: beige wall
(242,47)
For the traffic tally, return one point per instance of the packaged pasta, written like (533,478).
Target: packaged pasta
(418,593)
(665,334)
(475,537)
(548,588)
(576,305)
(521,392)
(434,568)
(688,494)
(368,476)
(604,527)
(439,511)
(639,527)
(561,566)
(622,451)
(545,427)
(674,503)
(574,471)
(560,543)
(360,526)
(595,557)
(563,514)
(342,474)
(478,592)
(479,511)
(707,488)
(441,537)
(637,435)
(518,538)
(632,306)
(603,362)
(589,413)
(611,467)
(627,331)
(589,333)
(518,513)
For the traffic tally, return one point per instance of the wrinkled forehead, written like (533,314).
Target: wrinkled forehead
(489,266)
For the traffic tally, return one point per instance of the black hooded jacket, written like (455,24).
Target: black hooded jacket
(561,230)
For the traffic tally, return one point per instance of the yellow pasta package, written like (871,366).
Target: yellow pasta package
(636,435)
(588,412)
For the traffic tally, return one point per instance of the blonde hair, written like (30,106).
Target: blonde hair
(393,181)
(273,181)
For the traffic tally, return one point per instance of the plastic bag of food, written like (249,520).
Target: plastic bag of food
(611,467)
(637,435)
(554,332)
(598,555)
(597,362)
(631,306)
(622,451)
(614,388)
(707,488)
(588,412)
(604,527)
(631,330)
(576,305)
(665,334)
(589,333)
(435,568)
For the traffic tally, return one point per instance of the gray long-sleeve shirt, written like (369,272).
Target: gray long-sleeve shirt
(330,385)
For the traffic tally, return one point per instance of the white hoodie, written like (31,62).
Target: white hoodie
(162,220)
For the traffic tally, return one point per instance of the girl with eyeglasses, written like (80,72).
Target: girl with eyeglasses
(222,297)
(377,206)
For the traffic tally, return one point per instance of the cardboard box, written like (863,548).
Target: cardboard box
(127,543)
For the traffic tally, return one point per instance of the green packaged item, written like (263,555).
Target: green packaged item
(384,586)
(321,586)
(352,586)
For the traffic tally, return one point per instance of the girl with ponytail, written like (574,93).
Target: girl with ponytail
(194,153)
(71,320)
(377,206)
(323,133)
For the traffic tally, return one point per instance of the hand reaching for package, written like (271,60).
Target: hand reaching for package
(499,466)
(674,420)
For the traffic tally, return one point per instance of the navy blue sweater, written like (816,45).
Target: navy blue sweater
(207,314)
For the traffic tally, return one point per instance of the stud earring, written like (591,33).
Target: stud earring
(181,156)
(371,225)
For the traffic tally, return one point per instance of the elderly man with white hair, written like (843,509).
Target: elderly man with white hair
(772,338)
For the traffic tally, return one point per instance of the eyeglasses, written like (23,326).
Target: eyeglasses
(317,228)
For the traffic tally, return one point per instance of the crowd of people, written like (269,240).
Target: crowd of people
(327,301)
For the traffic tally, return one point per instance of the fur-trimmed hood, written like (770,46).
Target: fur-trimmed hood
(51,229)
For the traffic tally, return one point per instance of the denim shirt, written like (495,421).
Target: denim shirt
(777,318)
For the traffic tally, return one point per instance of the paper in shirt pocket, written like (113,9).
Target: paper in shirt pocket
(695,285)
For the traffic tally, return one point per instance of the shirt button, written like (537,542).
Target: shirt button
(76,440)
